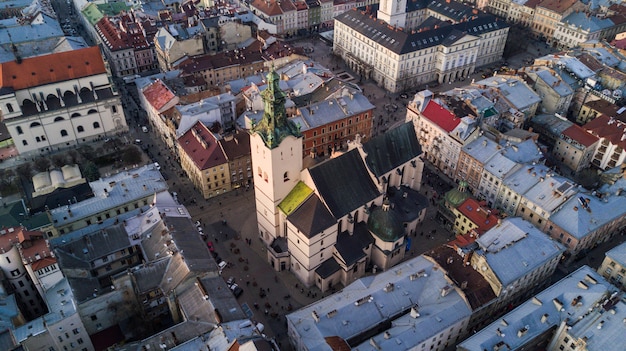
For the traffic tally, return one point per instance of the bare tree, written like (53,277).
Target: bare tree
(59,160)
(41,164)
(25,170)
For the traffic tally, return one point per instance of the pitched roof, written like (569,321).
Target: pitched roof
(558,6)
(580,135)
(343,183)
(392,149)
(158,94)
(202,147)
(441,116)
(269,8)
(605,127)
(312,217)
(483,218)
(46,69)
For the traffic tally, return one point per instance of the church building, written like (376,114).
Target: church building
(329,221)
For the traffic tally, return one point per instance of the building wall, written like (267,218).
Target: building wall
(575,156)
(52,128)
(613,271)
(93,218)
(308,253)
(608,155)
(334,136)
(69,333)
(28,299)
(276,171)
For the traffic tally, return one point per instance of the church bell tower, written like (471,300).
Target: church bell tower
(276,152)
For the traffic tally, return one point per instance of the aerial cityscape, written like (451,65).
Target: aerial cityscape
(312,175)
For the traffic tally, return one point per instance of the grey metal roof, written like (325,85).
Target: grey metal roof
(580,221)
(327,268)
(618,254)
(400,42)
(392,149)
(148,276)
(516,247)
(351,247)
(312,217)
(119,189)
(343,183)
(571,298)
(383,298)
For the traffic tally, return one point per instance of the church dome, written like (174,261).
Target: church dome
(456,196)
(386,223)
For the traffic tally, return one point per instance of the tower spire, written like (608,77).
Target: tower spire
(275,126)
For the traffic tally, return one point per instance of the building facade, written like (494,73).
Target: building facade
(57,101)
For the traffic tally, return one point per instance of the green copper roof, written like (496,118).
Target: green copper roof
(456,196)
(386,223)
(113,8)
(92,13)
(275,126)
(295,198)
(12,215)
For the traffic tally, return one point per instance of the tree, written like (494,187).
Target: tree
(41,164)
(91,171)
(59,160)
(25,170)
(74,156)
(131,155)
(86,152)
(6,176)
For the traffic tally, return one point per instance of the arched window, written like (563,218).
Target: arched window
(37,139)
(80,129)
(19,130)
(58,119)
(92,111)
(35,124)
(285,177)
(24,142)
(114,109)
(75,114)
(96,125)
(63,132)
(10,107)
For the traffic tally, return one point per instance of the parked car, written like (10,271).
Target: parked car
(237,291)
(222,265)
(144,129)
(209,244)
(230,281)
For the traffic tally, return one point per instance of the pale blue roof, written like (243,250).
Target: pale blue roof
(60,302)
(415,281)
(557,84)
(116,190)
(50,28)
(586,22)
(618,254)
(549,308)
(516,247)
(551,192)
(332,110)
(520,95)
(526,151)
(482,149)
(580,222)
(523,179)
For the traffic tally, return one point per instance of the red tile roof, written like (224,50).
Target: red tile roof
(270,8)
(480,216)
(158,94)
(558,6)
(46,69)
(612,130)
(580,135)
(34,248)
(532,3)
(202,147)
(441,116)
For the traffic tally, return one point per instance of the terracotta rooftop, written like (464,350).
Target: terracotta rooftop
(441,116)
(202,147)
(480,216)
(590,62)
(269,8)
(158,94)
(532,3)
(34,248)
(558,6)
(477,291)
(580,135)
(606,108)
(604,126)
(46,69)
